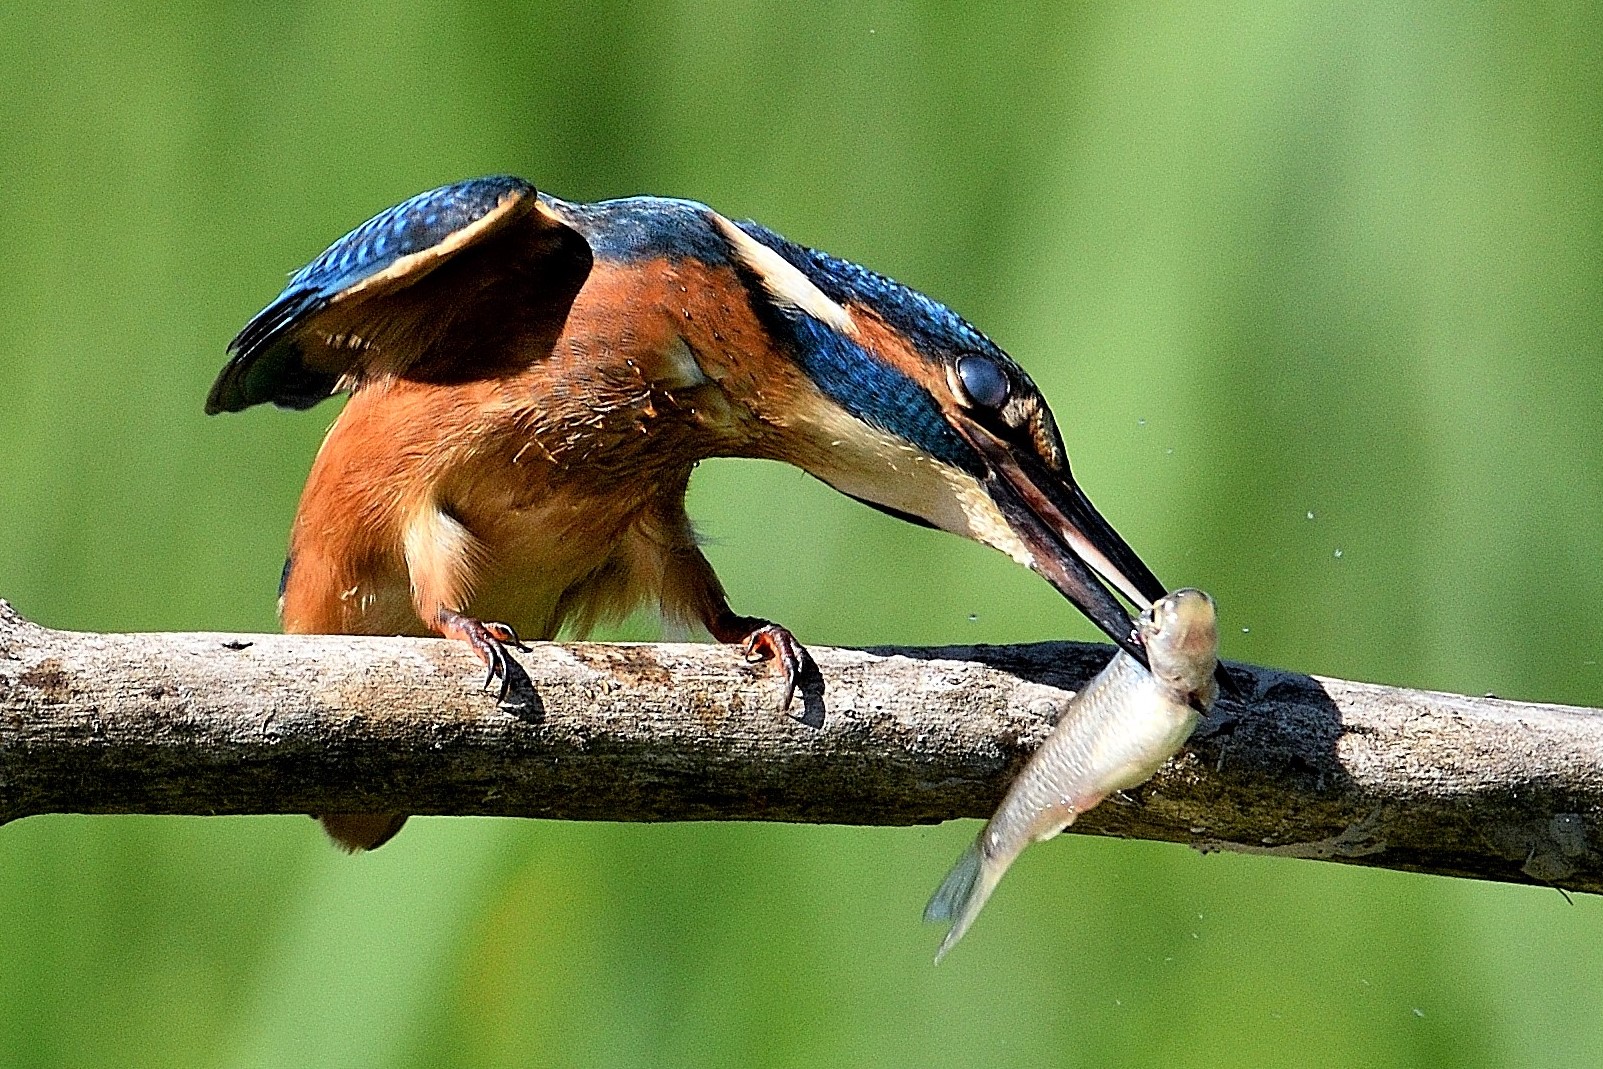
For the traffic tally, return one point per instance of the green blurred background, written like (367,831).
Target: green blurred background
(1314,288)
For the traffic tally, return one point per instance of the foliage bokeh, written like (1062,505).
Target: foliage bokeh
(1314,289)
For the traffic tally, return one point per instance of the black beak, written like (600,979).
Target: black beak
(1069,540)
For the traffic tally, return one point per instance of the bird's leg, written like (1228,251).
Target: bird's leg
(489,640)
(691,592)
(442,557)
(764,640)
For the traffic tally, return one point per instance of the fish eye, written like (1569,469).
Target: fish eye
(983,381)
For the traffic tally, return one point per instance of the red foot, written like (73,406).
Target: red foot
(763,640)
(489,641)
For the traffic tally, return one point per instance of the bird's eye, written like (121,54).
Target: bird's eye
(985,383)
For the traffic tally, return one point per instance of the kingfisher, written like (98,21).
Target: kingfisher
(532,382)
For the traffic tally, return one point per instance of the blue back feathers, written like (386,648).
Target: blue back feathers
(646,228)
(266,361)
(411,226)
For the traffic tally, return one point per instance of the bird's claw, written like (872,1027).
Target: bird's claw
(506,635)
(489,640)
(772,641)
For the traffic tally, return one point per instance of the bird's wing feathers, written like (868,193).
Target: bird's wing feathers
(451,284)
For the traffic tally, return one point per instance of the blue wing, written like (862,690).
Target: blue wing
(295,351)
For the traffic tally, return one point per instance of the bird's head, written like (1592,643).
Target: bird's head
(910,409)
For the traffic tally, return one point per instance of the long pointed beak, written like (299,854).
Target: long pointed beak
(1069,540)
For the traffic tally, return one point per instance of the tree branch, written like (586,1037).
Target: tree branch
(1299,766)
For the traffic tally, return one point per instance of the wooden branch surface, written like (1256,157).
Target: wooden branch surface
(1299,766)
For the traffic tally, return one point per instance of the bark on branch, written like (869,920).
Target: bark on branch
(1299,766)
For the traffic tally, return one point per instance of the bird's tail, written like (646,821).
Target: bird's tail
(959,897)
(355,832)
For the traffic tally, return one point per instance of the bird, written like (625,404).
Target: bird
(532,381)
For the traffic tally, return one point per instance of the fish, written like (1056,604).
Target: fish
(1115,734)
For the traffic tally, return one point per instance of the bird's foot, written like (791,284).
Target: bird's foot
(488,639)
(764,640)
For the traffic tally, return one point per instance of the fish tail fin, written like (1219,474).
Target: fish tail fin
(959,897)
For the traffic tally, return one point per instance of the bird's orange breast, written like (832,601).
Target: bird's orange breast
(549,473)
